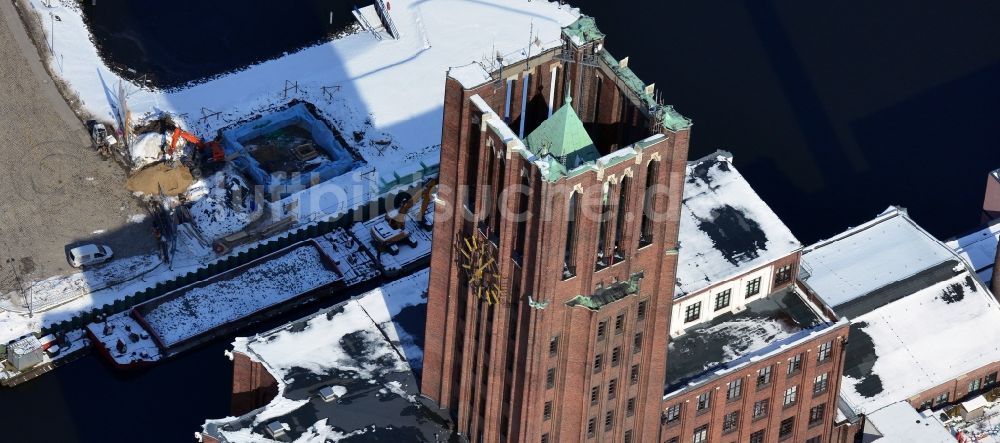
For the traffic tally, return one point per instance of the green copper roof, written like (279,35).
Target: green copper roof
(607,295)
(583,30)
(563,137)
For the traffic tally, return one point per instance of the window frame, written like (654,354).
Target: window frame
(692,312)
(786,428)
(783,275)
(730,422)
(703,402)
(824,352)
(726,295)
(673,413)
(734,389)
(791,396)
(761,408)
(821,383)
(752,288)
(766,373)
(817,414)
(795,364)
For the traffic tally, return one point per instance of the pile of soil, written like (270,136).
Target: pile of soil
(173,180)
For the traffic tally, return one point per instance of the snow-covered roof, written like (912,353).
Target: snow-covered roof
(767,325)
(726,229)
(363,348)
(920,341)
(900,423)
(883,251)
(25,345)
(974,403)
(978,249)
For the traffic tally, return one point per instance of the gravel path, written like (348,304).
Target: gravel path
(54,189)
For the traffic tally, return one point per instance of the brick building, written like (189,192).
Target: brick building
(586,278)
(923,325)
(575,348)
(753,356)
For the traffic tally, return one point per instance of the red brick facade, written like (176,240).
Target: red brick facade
(253,385)
(713,417)
(490,365)
(959,388)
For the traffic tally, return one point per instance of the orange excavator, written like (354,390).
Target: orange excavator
(389,232)
(218,154)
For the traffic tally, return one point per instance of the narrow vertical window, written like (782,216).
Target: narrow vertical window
(569,255)
(624,187)
(506,105)
(602,233)
(552,87)
(524,103)
(646,230)
(472,167)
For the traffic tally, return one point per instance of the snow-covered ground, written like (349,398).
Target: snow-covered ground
(54,291)
(389,90)
(265,284)
(358,347)
(223,204)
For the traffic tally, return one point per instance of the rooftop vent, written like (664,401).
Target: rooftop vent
(331,393)
(277,429)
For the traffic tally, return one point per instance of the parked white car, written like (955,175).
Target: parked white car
(88,255)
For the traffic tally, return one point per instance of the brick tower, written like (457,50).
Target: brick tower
(560,185)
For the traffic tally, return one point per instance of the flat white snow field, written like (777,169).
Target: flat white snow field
(257,287)
(391,90)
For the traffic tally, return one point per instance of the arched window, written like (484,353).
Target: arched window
(623,207)
(569,256)
(646,231)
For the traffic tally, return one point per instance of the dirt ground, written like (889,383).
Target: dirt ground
(54,189)
(172,181)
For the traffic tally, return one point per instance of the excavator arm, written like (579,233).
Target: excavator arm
(397,217)
(189,137)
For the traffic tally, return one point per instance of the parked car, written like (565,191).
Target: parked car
(88,255)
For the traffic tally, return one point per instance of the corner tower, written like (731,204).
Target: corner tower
(555,247)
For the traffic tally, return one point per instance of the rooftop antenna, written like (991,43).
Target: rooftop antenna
(531,32)
(500,67)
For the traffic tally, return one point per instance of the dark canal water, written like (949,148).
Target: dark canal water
(834,110)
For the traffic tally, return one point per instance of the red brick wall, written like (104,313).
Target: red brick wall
(845,432)
(957,389)
(488,365)
(691,420)
(253,385)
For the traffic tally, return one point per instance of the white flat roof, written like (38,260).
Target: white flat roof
(921,341)
(975,403)
(860,260)
(978,249)
(900,423)
(726,229)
